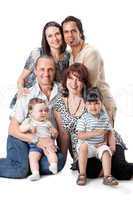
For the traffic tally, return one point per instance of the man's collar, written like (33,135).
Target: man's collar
(54,92)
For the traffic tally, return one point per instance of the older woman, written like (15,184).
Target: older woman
(52,45)
(68,109)
(70,106)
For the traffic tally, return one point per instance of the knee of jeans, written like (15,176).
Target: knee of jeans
(22,172)
(25,172)
(16,149)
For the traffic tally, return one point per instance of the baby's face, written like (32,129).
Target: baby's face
(39,112)
(94,107)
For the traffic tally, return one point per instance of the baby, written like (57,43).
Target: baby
(38,124)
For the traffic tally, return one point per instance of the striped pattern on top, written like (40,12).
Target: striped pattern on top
(88,122)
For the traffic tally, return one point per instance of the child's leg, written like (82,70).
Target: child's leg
(34,158)
(106,163)
(83,157)
(52,158)
(105,154)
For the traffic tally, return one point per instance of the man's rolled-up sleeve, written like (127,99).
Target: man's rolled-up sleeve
(21,109)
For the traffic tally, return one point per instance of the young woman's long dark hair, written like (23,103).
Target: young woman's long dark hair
(44,44)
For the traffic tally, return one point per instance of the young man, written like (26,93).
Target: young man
(16,164)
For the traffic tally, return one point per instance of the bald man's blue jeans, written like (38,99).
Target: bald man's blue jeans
(16,164)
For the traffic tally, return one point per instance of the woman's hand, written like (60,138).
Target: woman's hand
(54,133)
(23,91)
(100,144)
(112,148)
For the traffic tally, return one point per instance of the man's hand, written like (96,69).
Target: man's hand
(46,143)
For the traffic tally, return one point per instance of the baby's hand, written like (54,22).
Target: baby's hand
(33,130)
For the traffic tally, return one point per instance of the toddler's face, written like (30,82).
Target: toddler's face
(39,112)
(94,107)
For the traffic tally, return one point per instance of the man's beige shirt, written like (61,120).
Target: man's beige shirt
(94,63)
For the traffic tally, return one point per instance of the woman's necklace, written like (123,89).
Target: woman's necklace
(76,108)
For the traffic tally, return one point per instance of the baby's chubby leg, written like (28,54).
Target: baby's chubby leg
(34,158)
(52,158)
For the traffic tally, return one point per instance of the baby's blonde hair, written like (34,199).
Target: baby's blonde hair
(35,101)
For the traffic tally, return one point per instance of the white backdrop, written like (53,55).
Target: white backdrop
(107,26)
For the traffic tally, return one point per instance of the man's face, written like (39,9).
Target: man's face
(71,33)
(45,71)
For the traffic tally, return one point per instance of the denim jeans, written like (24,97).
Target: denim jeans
(16,164)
